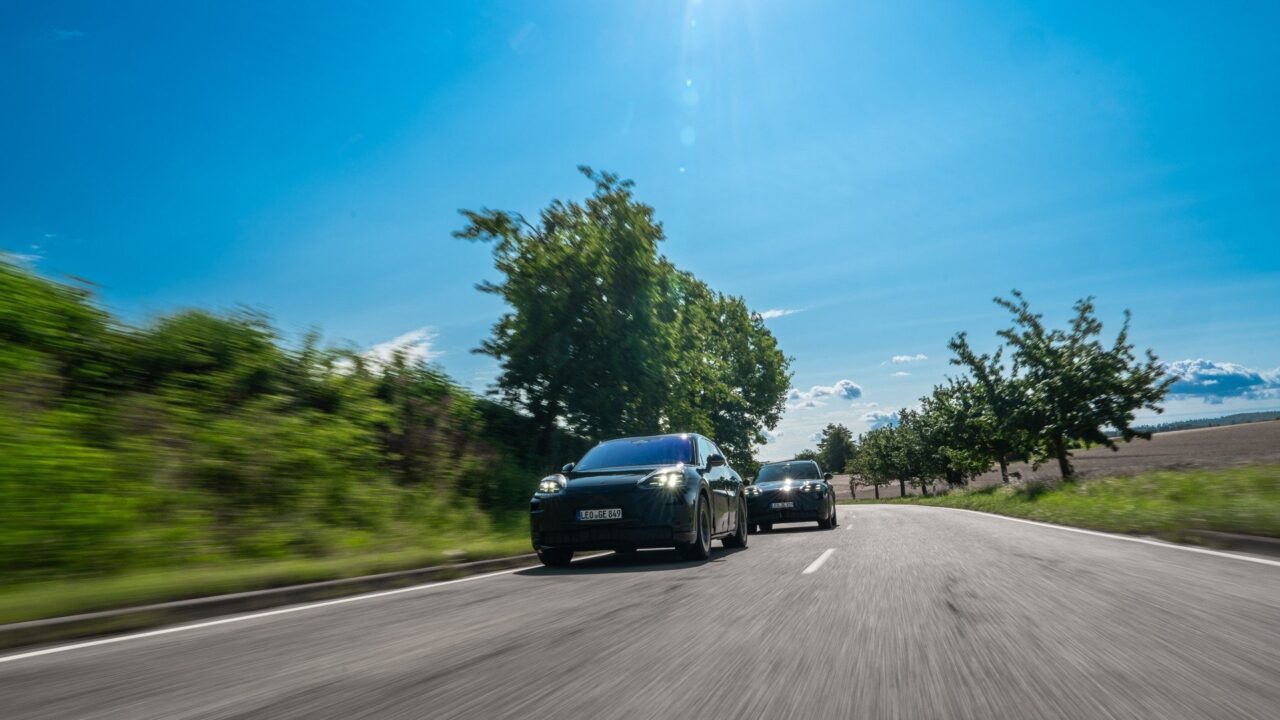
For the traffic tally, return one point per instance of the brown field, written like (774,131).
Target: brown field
(1251,444)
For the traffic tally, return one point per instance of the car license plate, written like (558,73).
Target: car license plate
(605,514)
(781,506)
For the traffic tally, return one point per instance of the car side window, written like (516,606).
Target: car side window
(716,449)
(704,451)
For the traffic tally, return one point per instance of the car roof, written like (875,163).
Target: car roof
(650,437)
(789,462)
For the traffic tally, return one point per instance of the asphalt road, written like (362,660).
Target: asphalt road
(914,613)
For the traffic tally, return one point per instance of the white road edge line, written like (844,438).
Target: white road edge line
(255,616)
(813,566)
(1115,536)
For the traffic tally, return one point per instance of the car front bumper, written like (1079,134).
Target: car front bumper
(650,518)
(804,507)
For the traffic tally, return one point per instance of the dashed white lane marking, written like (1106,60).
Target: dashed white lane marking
(813,566)
(267,613)
(1126,538)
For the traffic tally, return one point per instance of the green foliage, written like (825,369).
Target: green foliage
(960,431)
(997,422)
(605,337)
(1074,386)
(872,462)
(202,438)
(1065,390)
(835,448)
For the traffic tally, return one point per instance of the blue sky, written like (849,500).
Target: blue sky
(876,171)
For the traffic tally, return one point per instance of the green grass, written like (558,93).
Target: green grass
(1168,503)
(33,601)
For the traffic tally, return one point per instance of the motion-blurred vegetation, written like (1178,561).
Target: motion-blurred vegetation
(202,439)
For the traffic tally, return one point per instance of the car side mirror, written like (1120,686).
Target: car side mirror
(827,476)
(568,468)
(715,460)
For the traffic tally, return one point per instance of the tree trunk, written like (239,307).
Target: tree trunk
(902,487)
(924,489)
(1004,469)
(1060,448)
(877,487)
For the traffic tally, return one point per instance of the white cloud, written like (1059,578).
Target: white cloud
(1214,382)
(900,373)
(904,359)
(877,419)
(816,396)
(777,313)
(415,345)
(772,436)
(27,259)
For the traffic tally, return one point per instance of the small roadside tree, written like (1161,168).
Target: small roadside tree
(872,462)
(835,447)
(998,419)
(957,432)
(1076,387)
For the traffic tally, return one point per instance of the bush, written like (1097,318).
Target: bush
(201,438)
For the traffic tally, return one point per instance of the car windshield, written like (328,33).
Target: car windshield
(802,470)
(631,452)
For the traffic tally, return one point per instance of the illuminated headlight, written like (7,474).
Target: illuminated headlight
(752,490)
(811,487)
(552,484)
(669,479)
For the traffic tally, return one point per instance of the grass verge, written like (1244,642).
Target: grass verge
(37,600)
(1170,504)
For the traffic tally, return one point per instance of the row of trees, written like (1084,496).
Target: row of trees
(1038,395)
(605,337)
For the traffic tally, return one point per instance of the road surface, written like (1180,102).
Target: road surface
(902,612)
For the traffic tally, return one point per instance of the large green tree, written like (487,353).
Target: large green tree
(605,337)
(1076,387)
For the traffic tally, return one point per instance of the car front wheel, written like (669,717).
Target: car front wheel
(830,521)
(700,548)
(739,537)
(555,557)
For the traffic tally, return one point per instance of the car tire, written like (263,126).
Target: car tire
(555,557)
(700,548)
(830,520)
(739,537)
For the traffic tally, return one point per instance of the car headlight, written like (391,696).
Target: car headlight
(552,484)
(752,490)
(812,487)
(669,479)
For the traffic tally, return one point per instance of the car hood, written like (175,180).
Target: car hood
(604,480)
(772,485)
